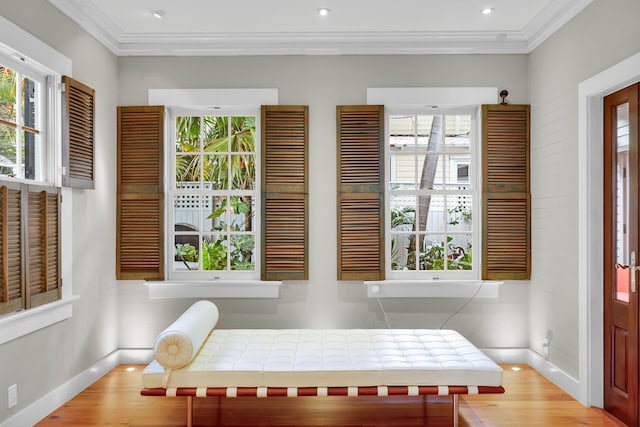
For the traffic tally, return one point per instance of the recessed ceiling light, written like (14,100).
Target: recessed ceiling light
(159,14)
(323,11)
(487,11)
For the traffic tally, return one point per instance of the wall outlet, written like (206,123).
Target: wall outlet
(12,396)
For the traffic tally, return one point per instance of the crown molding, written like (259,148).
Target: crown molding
(120,43)
(373,43)
(551,19)
(90,19)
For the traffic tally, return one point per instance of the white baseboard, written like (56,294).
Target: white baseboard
(547,369)
(554,374)
(61,395)
(58,397)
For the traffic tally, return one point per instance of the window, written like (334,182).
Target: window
(214,196)
(431,194)
(33,219)
(205,172)
(22,112)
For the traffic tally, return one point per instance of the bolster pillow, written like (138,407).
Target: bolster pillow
(177,345)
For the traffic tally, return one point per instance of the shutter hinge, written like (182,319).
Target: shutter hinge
(62,87)
(63,170)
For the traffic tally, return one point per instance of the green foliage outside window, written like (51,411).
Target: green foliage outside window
(432,253)
(219,152)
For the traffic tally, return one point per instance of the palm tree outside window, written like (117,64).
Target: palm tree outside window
(214,195)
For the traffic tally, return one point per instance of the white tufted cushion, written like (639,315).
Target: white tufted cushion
(178,344)
(332,358)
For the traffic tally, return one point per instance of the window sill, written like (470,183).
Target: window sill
(214,289)
(433,288)
(20,323)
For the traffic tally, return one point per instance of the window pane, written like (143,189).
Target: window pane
(402,246)
(402,147)
(431,165)
(187,213)
(459,213)
(216,134)
(7,94)
(431,215)
(216,215)
(243,172)
(31,155)
(242,251)
(31,91)
(7,150)
(216,172)
(431,170)
(403,212)
(188,171)
(432,252)
(187,134)
(185,251)
(243,137)
(241,212)
(459,251)
(214,252)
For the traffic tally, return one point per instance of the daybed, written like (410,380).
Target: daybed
(193,359)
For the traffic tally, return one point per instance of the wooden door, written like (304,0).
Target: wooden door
(621,254)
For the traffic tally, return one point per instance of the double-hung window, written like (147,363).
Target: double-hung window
(30,196)
(432,194)
(214,196)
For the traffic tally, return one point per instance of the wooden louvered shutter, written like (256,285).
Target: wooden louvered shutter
(11,282)
(78,130)
(506,206)
(42,237)
(285,192)
(360,192)
(140,210)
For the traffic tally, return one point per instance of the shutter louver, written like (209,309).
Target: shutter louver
(43,242)
(506,198)
(78,112)
(140,210)
(284,192)
(11,283)
(360,192)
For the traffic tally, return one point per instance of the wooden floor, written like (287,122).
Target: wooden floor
(530,400)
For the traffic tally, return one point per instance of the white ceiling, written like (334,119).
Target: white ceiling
(286,27)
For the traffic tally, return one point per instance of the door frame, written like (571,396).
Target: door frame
(591,93)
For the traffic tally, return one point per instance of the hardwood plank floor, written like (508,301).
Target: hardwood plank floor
(530,400)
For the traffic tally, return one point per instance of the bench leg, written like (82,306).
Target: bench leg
(189,411)
(456,407)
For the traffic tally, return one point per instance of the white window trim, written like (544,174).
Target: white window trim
(218,100)
(444,98)
(173,113)
(23,47)
(437,275)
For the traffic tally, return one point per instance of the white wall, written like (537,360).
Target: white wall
(605,33)
(43,360)
(322,82)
